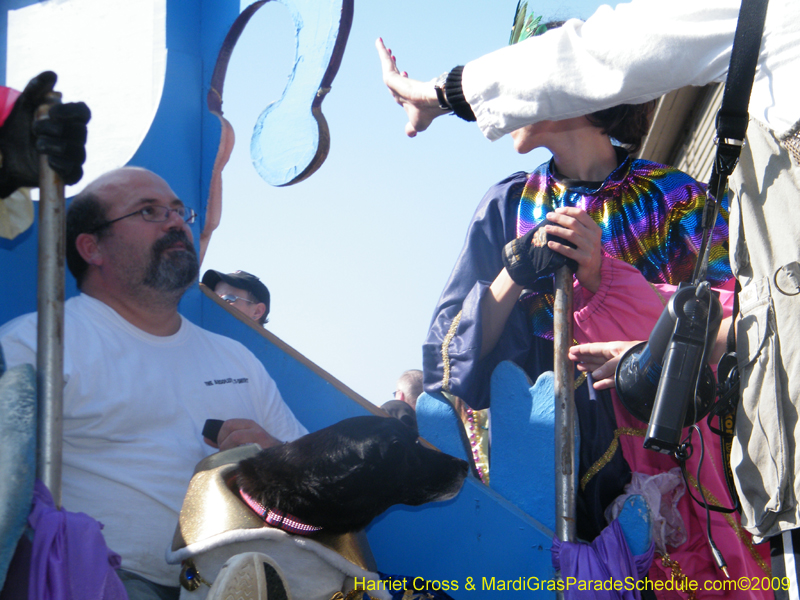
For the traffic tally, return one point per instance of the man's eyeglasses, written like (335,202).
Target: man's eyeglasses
(155,214)
(230,299)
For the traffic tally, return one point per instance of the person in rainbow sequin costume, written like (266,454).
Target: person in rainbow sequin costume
(636,227)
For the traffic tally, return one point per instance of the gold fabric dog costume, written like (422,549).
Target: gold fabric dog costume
(214,525)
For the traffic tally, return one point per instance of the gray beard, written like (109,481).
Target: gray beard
(171,271)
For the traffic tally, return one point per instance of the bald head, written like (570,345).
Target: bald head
(409,387)
(117,185)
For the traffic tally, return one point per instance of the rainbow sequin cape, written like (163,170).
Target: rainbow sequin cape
(650,217)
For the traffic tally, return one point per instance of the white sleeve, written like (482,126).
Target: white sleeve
(629,54)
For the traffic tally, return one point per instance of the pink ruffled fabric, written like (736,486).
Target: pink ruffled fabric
(626,307)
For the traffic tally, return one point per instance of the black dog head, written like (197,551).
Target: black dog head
(343,476)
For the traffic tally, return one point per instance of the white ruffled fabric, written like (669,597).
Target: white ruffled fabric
(662,493)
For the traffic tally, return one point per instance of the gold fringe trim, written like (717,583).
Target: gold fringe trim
(451,333)
(476,432)
(677,575)
(658,293)
(482,460)
(579,380)
(609,453)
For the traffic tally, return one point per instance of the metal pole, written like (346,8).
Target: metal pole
(565,407)
(50,341)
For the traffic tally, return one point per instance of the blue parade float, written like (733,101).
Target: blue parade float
(489,539)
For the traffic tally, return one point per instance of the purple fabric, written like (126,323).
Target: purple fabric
(493,225)
(606,559)
(70,558)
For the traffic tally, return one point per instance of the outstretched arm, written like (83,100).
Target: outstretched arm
(615,57)
(417,98)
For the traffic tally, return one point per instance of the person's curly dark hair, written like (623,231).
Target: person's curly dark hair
(626,123)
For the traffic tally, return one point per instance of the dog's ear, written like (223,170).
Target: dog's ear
(247,477)
(267,475)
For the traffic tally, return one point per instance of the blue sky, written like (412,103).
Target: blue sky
(356,256)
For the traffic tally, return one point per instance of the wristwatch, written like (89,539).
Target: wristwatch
(438,85)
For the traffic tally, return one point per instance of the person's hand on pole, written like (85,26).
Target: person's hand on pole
(418,98)
(530,257)
(578,228)
(61,136)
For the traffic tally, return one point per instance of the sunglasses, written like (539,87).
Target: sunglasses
(230,299)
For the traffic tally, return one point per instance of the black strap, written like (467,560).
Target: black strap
(704,503)
(732,120)
(728,404)
(732,117)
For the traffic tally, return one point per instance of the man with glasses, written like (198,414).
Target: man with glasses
(403,406)
(140,380)
(243,291)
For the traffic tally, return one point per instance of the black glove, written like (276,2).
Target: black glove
(528,258)
(62,137)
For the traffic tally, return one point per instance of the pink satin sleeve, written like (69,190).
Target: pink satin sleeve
(626,306)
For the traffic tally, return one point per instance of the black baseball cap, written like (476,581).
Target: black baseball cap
(243,281)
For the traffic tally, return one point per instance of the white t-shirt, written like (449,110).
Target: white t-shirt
(134,409)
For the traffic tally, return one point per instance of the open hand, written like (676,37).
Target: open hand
(417,98)
(600,360)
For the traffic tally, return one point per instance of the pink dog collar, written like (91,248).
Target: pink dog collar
(276,518)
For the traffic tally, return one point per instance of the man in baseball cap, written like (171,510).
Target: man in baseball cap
(243,291)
